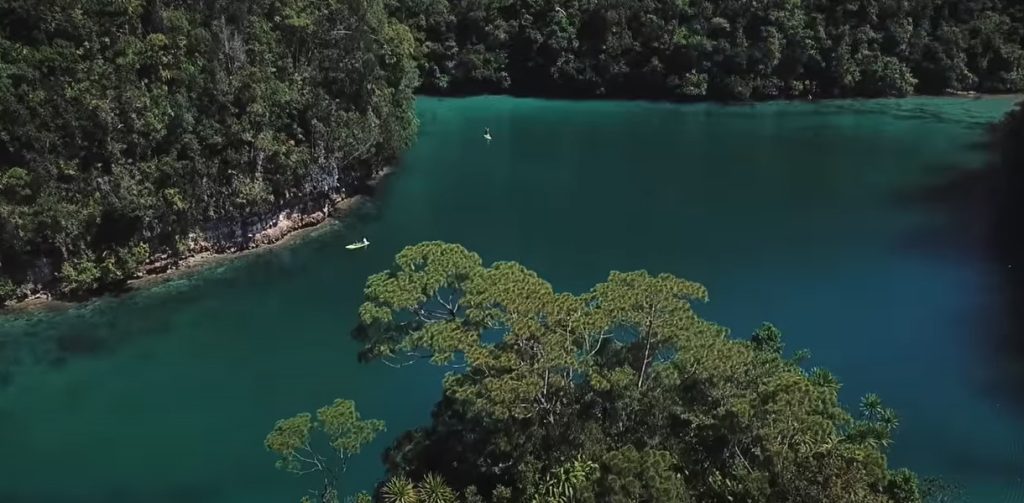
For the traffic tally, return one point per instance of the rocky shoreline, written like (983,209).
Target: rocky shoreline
(223,241)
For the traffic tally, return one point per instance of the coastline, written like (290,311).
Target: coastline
(958,95)
(292,224)
(291,227)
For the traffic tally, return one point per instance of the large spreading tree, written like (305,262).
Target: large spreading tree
(619,394)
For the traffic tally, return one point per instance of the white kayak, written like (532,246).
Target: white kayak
(361,244)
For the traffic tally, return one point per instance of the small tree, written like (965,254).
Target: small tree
(432,489)
(80,275)
(767,338)
(344,432)
(7,290)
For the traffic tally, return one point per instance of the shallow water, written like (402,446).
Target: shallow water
(789,212)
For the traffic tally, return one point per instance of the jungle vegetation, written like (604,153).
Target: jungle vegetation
(126,126)
(619,394)
(718,49)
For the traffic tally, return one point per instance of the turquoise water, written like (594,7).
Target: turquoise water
(789,212)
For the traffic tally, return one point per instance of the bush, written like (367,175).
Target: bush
(15,184)
(112,269)
(885,76)
(123,264)
(7,291)
(80,276)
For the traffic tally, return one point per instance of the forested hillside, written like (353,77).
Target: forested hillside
(128,125)
(720,49)
(125,125)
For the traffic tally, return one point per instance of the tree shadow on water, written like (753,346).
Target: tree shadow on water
(25,344)
(55,337)
(977,214)
(958,201)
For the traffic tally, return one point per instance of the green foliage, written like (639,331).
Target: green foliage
(621,393)
(568,482)
(288,437)
(875,425)
(937,490)
(801,356)
(141,123)
(360,498)
(885,76)
(767,338)
(696,49)
(347,433)
(80,275)
(7,290)
(903,485)
(399,490)
(293,441)
(15,184)
(138,123)
(432,489)
(824,379)
(629,475)
(85,274)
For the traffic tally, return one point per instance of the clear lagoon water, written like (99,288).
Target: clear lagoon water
(793,213)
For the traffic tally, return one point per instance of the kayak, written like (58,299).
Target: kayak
(355,246)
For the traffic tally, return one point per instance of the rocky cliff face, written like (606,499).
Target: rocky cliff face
(230,235)
(222,237)
(237,235)
(252,232)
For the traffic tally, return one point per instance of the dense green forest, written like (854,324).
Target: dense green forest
(620,394)
(127,125)
(721,49)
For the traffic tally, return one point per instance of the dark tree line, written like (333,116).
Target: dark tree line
(718,49)
(125,125)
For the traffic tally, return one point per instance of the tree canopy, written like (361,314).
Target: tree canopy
(720,49)
(125,126)
(619,394)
